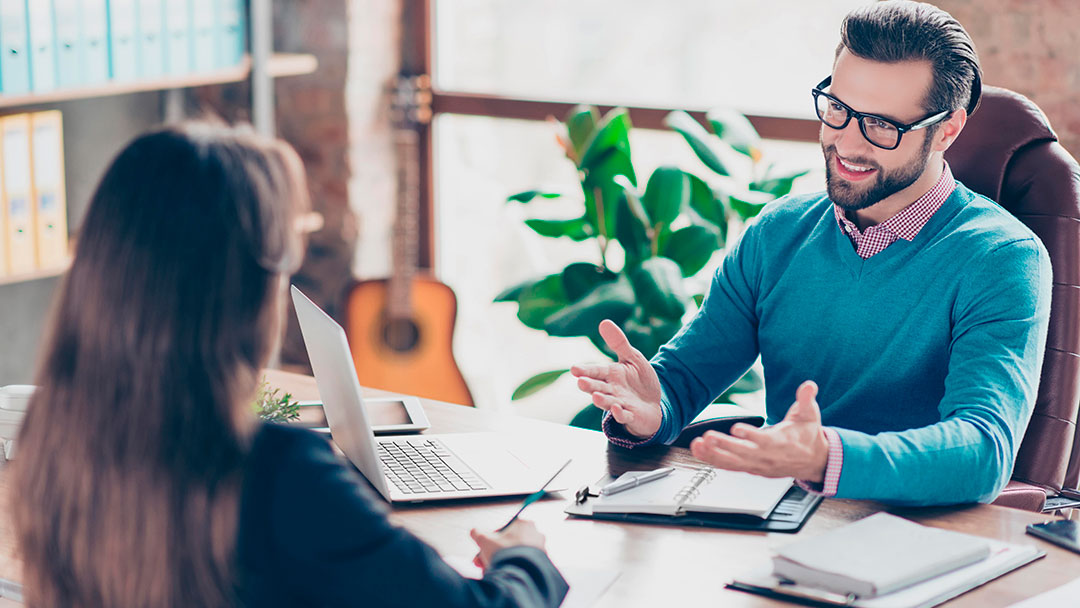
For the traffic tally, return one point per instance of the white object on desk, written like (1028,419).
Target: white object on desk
(703,490)
(1065,595)
(16,396)
(633,480)
(587,584)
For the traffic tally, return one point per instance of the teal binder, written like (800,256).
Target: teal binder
(95,41)
(123,45)
(204,14)
(42,46)
(178,44)
(14,44)
(151,37)
(232,24)
(68,48)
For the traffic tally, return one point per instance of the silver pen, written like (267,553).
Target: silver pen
(635,481)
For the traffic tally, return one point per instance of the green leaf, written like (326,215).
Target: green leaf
(750,203)
(511,294)
(613,132)
(750,382)
(602,180)
(590,417)
(698,299)
(540,300)
(580,124)
(778,184)
(666,194)
(613,301)
(630,229)
(537,382)
(736,130)
(691,248)
(699,139)
(648,335)
(704,201)
(580,278)
(658,286)
(528,195)
(576,229)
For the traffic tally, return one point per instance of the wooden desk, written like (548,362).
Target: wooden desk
(661,565)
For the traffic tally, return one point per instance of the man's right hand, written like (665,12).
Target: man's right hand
(629,389)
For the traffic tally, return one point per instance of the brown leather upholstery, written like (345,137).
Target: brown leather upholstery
(1009,153)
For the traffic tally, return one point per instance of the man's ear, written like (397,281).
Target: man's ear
(950,129)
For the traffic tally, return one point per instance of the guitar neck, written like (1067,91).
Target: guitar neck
(410,96)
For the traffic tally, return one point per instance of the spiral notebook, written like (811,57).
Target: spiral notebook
(704,490)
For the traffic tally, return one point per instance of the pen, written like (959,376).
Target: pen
(535,496)
(633,482)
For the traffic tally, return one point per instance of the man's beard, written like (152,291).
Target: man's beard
(852,197)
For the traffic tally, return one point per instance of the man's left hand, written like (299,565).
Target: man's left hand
(796,447)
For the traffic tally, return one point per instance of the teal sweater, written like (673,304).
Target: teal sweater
(927,354)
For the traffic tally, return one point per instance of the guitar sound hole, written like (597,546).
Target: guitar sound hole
(401,335)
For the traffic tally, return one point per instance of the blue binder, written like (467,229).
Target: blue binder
(151,34)
(42,46)
(123,45)
(204,14)
(68,44)
(178,44)
(231,24)
(14,46)
(95,41)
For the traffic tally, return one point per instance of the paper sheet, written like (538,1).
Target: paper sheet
(587,583)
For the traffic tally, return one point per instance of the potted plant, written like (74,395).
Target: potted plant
(667,231)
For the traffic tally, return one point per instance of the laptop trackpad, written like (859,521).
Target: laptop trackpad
(504,462)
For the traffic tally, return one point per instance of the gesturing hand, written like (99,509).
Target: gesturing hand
(795,447)
(629,389)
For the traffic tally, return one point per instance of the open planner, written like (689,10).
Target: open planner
(703,497)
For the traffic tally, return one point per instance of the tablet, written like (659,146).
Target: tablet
(388,415)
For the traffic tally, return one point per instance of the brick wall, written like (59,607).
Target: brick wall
(1032,47)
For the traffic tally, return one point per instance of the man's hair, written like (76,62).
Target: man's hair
(899,30)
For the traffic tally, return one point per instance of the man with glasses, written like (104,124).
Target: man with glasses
(912,309)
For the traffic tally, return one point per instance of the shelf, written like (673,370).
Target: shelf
(35,275)
(280,64)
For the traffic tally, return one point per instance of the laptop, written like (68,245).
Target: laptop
(415,468)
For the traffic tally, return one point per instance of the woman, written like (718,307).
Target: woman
(143,478)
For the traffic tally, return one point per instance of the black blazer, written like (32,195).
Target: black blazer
(313,533)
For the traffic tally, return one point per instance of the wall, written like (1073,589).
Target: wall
(1032,47)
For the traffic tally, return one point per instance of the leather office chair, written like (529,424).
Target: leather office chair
(1008,153)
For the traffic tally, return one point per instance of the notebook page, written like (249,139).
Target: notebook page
(734,492)
(657,496)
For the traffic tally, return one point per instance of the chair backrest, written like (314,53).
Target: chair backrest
(1008,153)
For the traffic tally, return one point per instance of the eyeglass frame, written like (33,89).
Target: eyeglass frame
(901,128)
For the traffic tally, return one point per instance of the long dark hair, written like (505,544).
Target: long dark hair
(130,460)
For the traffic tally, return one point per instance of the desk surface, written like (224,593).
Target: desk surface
(659,565)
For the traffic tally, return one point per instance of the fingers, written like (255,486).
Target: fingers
(593,386)
(805,409)
(616,340)
(596,371)
(611,404)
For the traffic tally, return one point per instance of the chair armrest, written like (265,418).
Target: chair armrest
(722,424)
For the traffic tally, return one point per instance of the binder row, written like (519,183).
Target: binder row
(33,205)
(51,44)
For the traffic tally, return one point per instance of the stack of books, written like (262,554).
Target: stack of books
(13,401)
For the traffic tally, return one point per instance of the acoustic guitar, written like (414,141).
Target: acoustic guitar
(401,328)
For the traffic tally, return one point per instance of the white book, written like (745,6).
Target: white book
(876,556)
(703,490)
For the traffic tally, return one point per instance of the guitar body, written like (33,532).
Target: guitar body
(412,355)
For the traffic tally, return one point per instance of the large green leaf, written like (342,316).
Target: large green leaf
(602,189)
(580,278)
(666,195)
(705,202)
(778,183)
(691,248)
(613,301)
(511,294)
(536,383)
(703,144)
(749,203)
(630,229)
(736,130)
(648,335)
(529,195)
(659,289)
(540,300)
(613,132)
(576,229)
(590,417)
(580,124)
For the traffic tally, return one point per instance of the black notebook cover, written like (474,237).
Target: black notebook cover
(789,515)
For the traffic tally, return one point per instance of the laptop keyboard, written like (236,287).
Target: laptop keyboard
(425,466)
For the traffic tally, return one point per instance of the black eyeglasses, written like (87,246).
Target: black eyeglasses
(883,132)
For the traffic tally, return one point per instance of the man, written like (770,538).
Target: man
(913,310)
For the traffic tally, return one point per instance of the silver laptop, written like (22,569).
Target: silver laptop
(418,467)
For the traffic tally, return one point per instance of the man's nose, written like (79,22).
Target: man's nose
(849,141)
